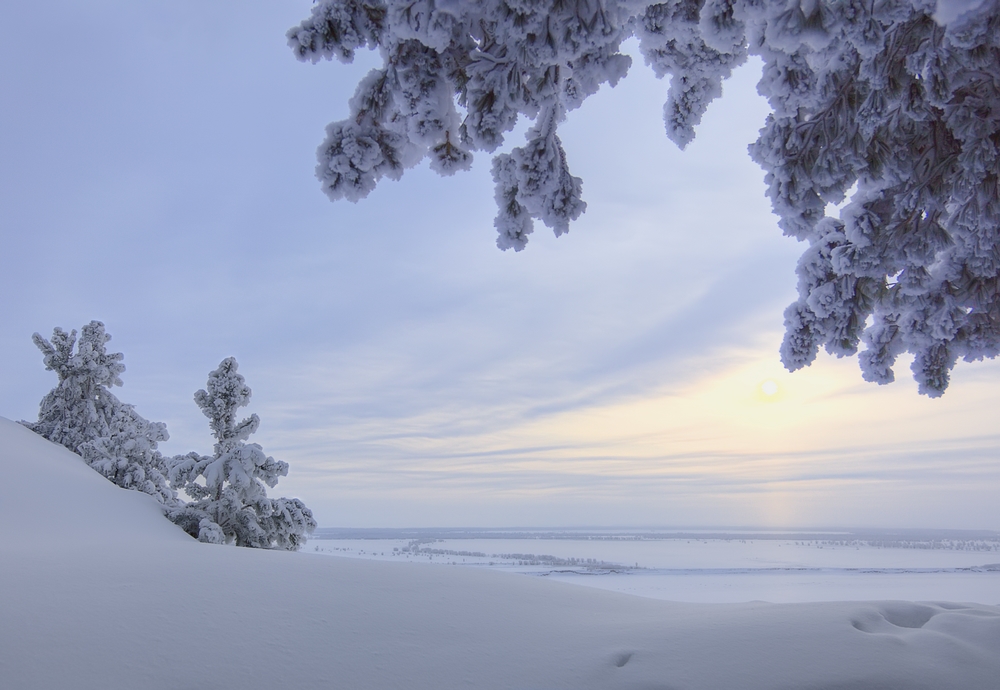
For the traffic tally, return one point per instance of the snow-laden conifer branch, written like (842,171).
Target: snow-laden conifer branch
(456,77)
(897,98)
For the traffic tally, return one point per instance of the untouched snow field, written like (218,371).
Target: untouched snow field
(97,590)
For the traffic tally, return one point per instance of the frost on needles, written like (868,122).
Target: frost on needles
(899,99)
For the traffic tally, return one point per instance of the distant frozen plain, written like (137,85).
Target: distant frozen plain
(711,566)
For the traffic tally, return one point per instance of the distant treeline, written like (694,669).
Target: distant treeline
(416,547)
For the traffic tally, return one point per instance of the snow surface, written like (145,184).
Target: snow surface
(126,600)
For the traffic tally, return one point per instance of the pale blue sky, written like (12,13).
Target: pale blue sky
(156,173)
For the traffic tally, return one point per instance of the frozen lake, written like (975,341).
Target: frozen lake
(710,566)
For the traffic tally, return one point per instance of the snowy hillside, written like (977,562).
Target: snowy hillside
(97,590)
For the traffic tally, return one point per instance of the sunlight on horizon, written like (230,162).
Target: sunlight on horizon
(823,440)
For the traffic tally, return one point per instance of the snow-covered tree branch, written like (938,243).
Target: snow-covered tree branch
(898,100)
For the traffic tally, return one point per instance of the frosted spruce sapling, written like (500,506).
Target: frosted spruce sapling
(230,503)
(897,99)
(82,414)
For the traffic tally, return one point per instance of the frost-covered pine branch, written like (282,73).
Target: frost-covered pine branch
(230,502)
(82,414)
(899,99)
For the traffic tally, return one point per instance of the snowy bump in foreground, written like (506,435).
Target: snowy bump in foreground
(99,591)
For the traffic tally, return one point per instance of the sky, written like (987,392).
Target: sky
(156,174)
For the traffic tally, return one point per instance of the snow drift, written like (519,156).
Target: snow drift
(100,591)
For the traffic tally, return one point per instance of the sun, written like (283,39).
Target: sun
(769,388)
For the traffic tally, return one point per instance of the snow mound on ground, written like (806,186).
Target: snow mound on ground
(50,493)
(97,590)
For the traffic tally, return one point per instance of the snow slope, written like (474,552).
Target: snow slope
(98,591)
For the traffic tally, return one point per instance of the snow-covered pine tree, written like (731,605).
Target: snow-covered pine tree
(128,455)
(230,502)
(899,99)
(82,414)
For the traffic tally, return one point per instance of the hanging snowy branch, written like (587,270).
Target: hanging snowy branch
(900,98)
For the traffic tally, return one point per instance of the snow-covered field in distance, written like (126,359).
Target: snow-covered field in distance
(710,566)
(99,592)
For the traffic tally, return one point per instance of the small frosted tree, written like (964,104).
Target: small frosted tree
(230,502)
(82,414)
